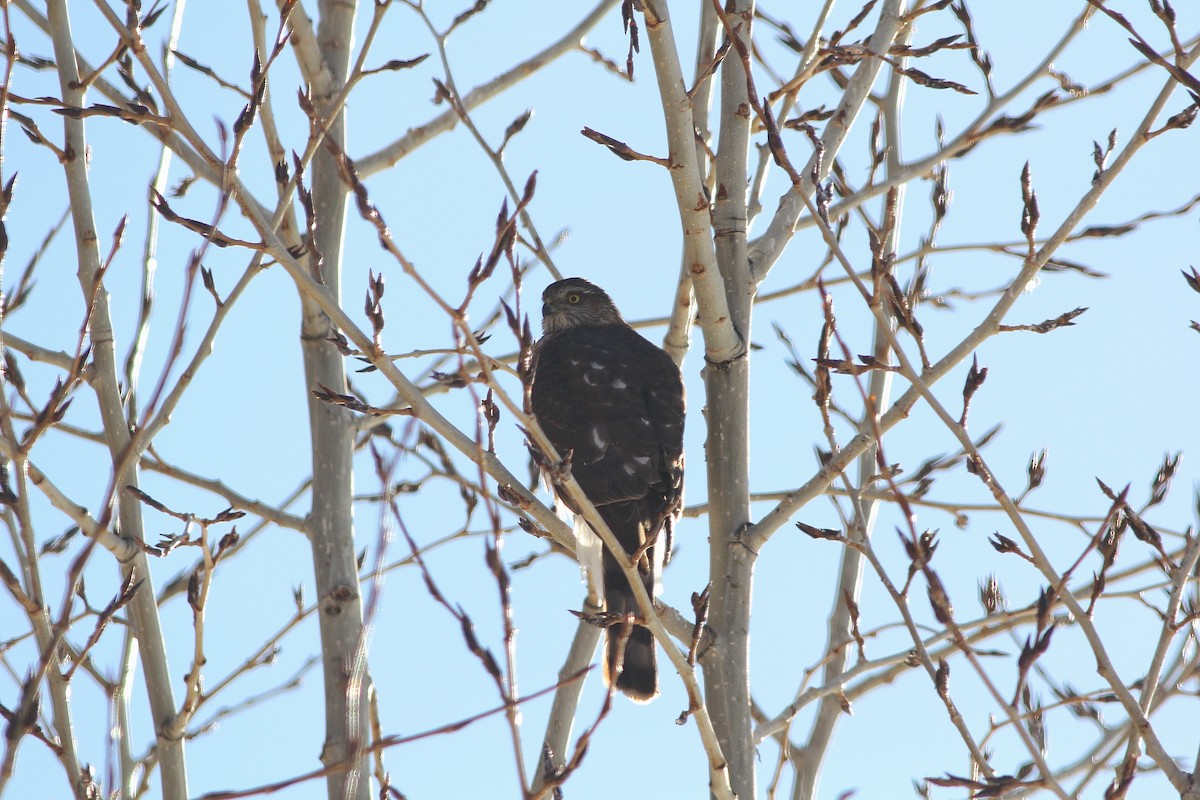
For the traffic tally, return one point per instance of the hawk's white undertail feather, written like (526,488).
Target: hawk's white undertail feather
(589,550)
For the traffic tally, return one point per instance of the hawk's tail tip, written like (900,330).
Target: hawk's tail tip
(642,691)
(638,678)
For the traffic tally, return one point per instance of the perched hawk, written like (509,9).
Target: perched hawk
(615,401)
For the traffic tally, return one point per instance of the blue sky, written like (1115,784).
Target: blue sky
(1107,397)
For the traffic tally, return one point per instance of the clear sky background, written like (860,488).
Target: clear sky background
(1107,398)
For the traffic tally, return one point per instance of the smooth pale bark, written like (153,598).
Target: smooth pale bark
(332,428)
(142,609)
(554,753)
(727,392)
(866,508)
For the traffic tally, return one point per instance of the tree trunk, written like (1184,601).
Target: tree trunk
(331,521)
(143,608)
(727,450)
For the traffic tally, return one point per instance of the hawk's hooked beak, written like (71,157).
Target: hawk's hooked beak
(547,309)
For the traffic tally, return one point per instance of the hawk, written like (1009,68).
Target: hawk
(615,402)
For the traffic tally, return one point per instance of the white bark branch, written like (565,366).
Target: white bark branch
(766,249)
(389,155)
(722,342)
(143,609)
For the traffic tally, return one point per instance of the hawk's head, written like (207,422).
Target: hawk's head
(574,302)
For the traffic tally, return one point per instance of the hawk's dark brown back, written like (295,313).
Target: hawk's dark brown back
(616,401)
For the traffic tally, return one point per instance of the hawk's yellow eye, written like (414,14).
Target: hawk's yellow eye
(573,298)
